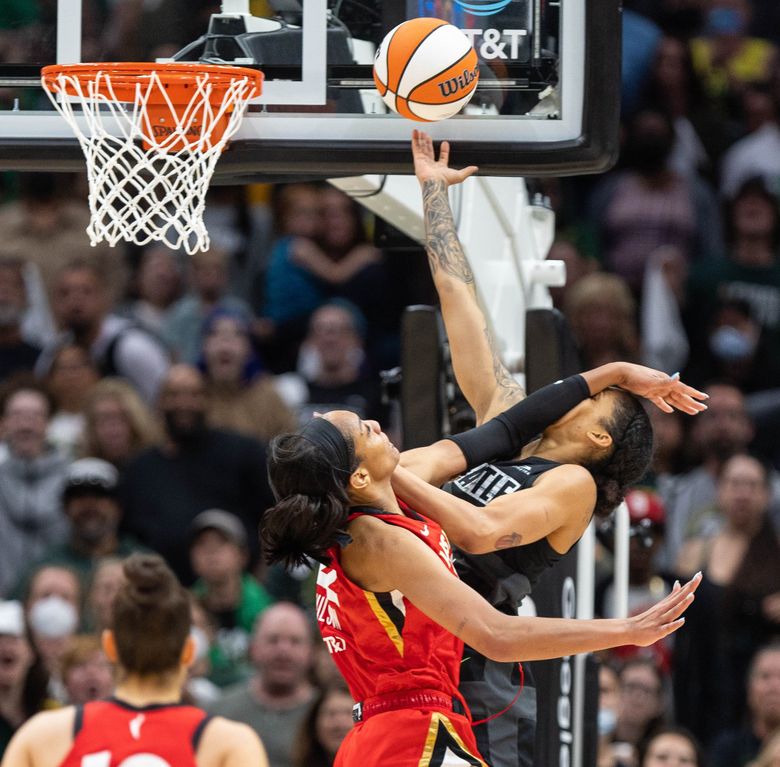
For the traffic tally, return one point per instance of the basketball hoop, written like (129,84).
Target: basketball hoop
(151,135)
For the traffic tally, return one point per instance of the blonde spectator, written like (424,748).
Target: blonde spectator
(86,672)
(106,583)
(118,423)
(602,313)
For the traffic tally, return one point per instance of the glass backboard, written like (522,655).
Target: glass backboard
(547,101)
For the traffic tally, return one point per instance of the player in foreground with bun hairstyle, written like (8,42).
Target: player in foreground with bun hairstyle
(390,606)
(143,724)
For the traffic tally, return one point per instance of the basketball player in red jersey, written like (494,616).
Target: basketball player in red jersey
(390,606)
(143,724)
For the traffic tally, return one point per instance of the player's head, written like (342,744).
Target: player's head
(612,437)
(150,627)
(334,461)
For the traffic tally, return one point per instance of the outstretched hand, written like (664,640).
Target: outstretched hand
(428,168)
(665,392)
(663,618)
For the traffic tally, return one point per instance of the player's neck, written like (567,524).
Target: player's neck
(144,691)
(377,496)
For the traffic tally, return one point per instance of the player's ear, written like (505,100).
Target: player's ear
(108,641)
(188,652)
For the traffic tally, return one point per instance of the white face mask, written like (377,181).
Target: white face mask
(53,617)
(201,643)
(607,721)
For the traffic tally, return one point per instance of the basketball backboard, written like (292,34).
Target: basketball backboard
(547,102)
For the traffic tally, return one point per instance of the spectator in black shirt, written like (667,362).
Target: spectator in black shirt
(16,355)
(196,468)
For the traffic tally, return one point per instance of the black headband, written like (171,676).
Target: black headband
(333,444)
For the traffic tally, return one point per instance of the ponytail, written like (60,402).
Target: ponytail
(310,484)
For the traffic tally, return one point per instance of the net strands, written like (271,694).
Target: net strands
(150,159)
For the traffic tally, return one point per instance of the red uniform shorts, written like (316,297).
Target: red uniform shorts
(410,737)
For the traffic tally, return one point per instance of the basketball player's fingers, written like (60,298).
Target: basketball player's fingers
(686,403)
(670,628)
(466,172)
(444,153)
(690,391)
(662,404)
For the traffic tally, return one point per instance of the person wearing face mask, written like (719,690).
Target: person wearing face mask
(725,57)
(737,351)
(91,506)
(645,206)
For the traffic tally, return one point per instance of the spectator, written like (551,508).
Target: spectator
(199,688)
(70,380)
(240,397)
(91,505)
(46,227)
(751,270)
(183,328)
(196,468)
(737,351)
(118,423)
(725,58)
(736,607)
(646,206)
(602,315)
(86,672)
(674,88)
(610,754)
(82,306)
(723,430)
(737,747)
(770,754)
(105,585)
(23,679)
(276,700)
(577,265)
(52,604)
(219,556)
(641,709)
(31,480)
(758,153)
(645,584)
(326,725)
(640,41)
(158,285)
(16,354)
(331,365)
(672,745)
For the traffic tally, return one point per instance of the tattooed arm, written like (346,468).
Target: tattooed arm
(483,378)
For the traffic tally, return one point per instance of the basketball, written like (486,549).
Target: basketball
(426,69)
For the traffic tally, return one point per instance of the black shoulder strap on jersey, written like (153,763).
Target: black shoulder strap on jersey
(78,721)
(196,736)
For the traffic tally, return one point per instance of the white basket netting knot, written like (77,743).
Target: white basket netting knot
(150,160)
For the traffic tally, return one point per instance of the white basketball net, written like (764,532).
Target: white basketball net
(154,192)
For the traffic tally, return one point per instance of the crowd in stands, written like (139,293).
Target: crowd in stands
(140,387)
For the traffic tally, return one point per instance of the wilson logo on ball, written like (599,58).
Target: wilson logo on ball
(426,69)
(455,84)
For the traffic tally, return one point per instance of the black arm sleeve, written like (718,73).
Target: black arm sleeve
(504,436)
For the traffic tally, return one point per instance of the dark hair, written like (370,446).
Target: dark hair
(644,746)
(24,382)
(309,751)
(312,502)
(755,186)
(632,451)
(150,617)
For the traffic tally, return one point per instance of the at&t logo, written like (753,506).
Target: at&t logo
(483,7)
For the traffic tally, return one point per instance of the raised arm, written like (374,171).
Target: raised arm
(484,380)
(395,559)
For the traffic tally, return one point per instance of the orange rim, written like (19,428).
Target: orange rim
(177,78)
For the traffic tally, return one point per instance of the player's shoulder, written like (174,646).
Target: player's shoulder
(568,476)
(53,722)
(224,737)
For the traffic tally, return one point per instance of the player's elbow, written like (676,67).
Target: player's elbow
(480,537)
(495,641)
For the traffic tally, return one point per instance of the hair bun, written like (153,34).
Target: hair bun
(148,578)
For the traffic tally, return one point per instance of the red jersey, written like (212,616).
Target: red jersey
(381,642)
(111,733)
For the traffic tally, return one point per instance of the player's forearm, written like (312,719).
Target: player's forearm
(449,268)
(526,639)
(464,523)
(600,378)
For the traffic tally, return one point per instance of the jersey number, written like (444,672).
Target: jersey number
(103,759)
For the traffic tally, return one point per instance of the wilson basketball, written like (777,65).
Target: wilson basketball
(426,69)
